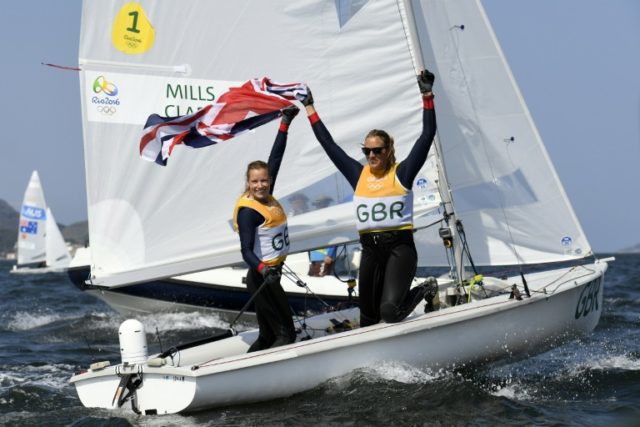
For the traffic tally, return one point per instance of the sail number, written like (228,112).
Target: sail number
(134,26)
(588,300)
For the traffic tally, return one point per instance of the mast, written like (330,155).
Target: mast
(451,230)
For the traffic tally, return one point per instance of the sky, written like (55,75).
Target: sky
(577,63)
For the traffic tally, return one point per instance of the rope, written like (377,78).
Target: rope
(61,67)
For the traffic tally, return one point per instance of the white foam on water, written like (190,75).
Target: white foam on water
(401,372)
(8,380)
(511,391)
(389,371)
(163,321)
(169,421)
(54,376)
(23,321)
(182,321)
(49,376)
(608,362)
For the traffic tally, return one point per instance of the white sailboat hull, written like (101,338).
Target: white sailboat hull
(221,373)
(222,290)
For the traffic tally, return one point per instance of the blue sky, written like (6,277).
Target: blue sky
(577,63)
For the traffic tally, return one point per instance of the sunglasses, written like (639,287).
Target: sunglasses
(376,150)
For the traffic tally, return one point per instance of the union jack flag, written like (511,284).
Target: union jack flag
(240,109)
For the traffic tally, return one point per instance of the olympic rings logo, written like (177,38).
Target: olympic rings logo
(374,183)
(107,110)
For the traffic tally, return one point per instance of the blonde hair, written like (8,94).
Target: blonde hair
(388,143)
(255,165)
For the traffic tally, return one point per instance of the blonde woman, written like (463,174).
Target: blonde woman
(384,211)
(264,242)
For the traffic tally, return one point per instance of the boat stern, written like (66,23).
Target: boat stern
(148,390)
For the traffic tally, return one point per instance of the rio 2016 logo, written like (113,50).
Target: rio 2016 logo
(102,85)
(106,105)
(588,300)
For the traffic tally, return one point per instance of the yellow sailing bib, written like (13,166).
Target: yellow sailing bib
(271,242)
(382,203)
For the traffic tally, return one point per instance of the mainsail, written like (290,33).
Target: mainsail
(172,58)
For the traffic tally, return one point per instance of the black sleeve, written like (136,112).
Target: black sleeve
(248,221)
(275,158)
(409,168)
(350,168)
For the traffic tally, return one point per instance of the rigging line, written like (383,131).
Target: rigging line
(588,272)
(291,275)
(61,67)
(302,323)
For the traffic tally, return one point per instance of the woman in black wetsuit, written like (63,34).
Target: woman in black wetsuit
(264,242)
(384,209)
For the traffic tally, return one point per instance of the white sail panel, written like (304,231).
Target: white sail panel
(57,252)
(505,189)
(32,227)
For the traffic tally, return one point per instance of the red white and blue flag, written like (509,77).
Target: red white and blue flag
(238,110)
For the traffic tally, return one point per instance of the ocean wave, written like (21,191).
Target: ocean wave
(51,376)
(621,362)
(401,372)
(23,321)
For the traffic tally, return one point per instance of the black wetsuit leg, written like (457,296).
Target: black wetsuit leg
(387,268)
(272,310)
(397,302)
(266,336)
(280,319)
(371,279)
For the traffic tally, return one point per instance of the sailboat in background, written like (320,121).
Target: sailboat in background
(40,246)
(490,192)
(58,257)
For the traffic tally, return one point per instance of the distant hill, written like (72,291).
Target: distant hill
(633,249)
(8,215)
(76,233)
(8,226)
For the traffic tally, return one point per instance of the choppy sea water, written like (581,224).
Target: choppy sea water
(49,330)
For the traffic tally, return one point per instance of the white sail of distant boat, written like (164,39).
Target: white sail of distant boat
(491,192)
(41,247)
(58,256)
(32,228)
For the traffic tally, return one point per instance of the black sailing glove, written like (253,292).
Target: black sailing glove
(308,98)
(425,81)
(271,275)
(289,113)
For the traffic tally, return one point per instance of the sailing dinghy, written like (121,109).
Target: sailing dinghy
(490,193)
(41,247)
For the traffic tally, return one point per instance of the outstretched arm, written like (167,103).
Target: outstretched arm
(409,168)
(349,167)
(279,145)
